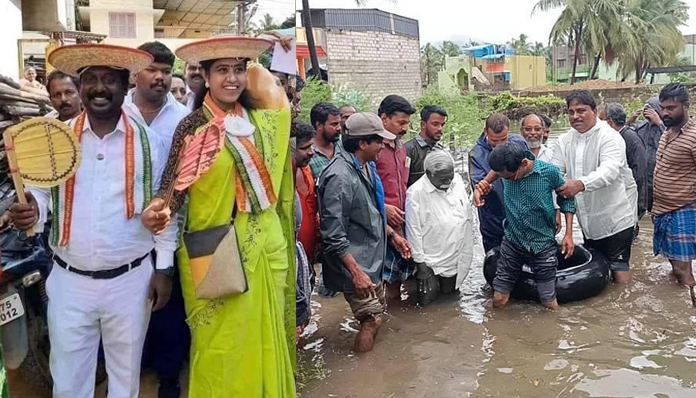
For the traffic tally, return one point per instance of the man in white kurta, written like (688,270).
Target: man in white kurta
(439,221)
(103,284)
(593,157)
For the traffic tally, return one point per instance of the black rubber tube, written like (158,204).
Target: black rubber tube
(582,276)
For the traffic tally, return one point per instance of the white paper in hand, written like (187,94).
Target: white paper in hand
(238,127)
(284,61)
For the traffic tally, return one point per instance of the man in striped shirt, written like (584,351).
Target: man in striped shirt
(674,206)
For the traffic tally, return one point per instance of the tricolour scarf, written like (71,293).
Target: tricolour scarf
(137,177)
(253,186)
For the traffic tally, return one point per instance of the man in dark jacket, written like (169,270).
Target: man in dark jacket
(615,115)
(354,232)
(650,131)
(492,213)
(433,119)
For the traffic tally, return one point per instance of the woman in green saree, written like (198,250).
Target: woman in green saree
(242,345)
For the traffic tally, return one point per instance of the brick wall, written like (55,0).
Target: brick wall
(378,64)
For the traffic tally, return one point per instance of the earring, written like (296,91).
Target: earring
(207,85)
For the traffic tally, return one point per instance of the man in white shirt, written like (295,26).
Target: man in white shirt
(103,284)
(593,158)
(439,227)
(195,84)
(152,103)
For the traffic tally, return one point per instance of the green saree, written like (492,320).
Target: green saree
(244,346)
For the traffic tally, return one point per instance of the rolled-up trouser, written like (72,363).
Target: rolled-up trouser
(366,309)
(543,265)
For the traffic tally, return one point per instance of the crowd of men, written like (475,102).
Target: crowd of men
(377,211)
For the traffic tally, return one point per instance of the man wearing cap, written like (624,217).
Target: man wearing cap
(103,284)
(353,224)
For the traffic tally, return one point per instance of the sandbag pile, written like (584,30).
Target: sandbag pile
(17,104)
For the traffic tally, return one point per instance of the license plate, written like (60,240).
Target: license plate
(11,308)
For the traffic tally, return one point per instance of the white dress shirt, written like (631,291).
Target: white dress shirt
(102,237)
(545,154)
(598,159)
(166,121)
(190,98)
(439,227)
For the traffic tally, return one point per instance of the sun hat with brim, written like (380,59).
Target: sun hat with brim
(366,124)
(219,47)
(73,59)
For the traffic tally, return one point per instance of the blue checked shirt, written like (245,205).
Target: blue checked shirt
(530,221)
(319,161)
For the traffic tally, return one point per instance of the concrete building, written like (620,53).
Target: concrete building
(19,19)
(172,22)
(375,51)
(562,57)
(492,67)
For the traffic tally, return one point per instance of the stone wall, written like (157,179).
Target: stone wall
(376,63)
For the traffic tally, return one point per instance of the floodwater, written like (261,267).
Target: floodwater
(637,341)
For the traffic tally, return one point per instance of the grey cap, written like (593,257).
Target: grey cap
(366,124)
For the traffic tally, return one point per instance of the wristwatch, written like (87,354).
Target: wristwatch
(391,236)
(166,271)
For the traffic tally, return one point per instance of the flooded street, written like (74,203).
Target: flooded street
(632,341)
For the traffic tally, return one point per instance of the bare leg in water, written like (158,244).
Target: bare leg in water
(685,276)
(621,277)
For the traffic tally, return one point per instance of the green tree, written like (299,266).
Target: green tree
(267,23)
(450,49)
(651,35)
(520,45)
(289,22)
(591,25)
(431,64)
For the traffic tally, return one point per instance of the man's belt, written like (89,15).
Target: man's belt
(102,274)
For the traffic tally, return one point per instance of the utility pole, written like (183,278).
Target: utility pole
(240,17)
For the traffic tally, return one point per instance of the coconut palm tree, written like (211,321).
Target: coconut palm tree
(651,36)
(570,25)
(520,45)
(267,23)
(431,63)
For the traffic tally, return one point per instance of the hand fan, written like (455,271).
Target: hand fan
(41,152)
(198,154)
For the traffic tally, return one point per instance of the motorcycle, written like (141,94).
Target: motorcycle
(24,304)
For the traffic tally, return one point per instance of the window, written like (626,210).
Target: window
(561,63)
(122,25)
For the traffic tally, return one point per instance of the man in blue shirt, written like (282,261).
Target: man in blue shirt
(492,213)
(530,223)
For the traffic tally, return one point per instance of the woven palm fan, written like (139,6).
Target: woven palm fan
(41,152)
(198,154)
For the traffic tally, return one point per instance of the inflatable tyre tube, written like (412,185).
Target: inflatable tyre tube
(582,276)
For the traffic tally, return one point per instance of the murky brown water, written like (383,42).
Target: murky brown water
(631,341)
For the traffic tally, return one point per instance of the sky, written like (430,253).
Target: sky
(493,21)
(279,9)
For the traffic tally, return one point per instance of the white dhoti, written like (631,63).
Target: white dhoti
(82,310)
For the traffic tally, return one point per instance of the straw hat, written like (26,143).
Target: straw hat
(223,47)
(73,59)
